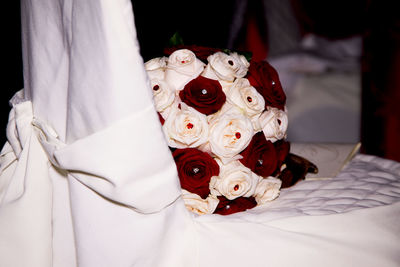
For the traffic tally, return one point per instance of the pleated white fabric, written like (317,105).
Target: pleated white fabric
(87,179)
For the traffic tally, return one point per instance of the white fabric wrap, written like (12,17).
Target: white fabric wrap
(87,193)
(120,168)
(25,195)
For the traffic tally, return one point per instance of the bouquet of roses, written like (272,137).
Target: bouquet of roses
(225,121)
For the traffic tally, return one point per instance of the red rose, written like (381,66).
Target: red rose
(265,79)
(226,206)
(282,148)
(203,94)
(260,156)
(160,118)
(201,52)
(195,169)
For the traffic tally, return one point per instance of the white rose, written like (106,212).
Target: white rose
(255,120)
(226,86)
(165,113)
(156,63)
(274,123)
(209,73)
(156,67)
(182,67)
(267,190)
(196,204)
(226,67)
(186,127)
(230,133)
(234,180)
(246,97)
(226,107)
(162,94)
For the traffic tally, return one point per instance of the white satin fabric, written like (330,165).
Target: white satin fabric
(90,168)
(87,178)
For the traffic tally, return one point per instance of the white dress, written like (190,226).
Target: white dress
(87,178)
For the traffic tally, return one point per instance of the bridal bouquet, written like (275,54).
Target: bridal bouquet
(225,121)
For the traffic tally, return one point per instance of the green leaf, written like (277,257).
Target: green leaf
(226,51)
(248,55)
(176,39)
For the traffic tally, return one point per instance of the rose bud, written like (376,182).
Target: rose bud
(195,169)
(198,205)
(185,127)
(201,52)
(230,133)
(155,67)
(226,67)
(203,94)
(234,180)
(274,123)
(163,96)
(182,67)
(246,97)
(267,190)
(266,80)
(226,206)
(260,156)
(282,148)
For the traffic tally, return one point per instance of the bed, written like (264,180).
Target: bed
(81,186)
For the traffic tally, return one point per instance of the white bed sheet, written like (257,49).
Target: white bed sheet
(350,220)
(366,182)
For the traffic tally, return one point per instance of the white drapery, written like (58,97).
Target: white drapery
(87,178)
(87,156)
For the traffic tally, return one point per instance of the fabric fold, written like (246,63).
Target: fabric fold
(25,195)
(107,80)
(128,162)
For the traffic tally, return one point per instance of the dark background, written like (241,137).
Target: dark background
(209,23)
(12,80)
(205,23)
